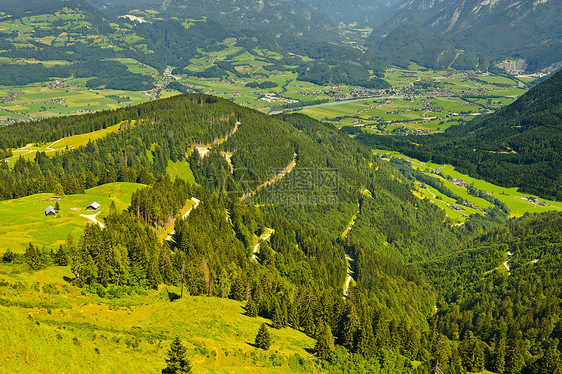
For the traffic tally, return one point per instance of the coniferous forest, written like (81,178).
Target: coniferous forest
(425,294)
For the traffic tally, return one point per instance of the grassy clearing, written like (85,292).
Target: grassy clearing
(23,220)
(180,169)
(62,145)
(51,326)
(136,67)
(516,201)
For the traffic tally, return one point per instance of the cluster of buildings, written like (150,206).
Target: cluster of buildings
(61,84)
(273,98)
(85,110)
(534,200)
(50,211)
(460,182)
(12,96)
(403,131)
(55,101)
(11,121)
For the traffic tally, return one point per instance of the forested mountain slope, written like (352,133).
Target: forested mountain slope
(363,12)
(331,200)
(165,130)
(502,297)
(298,278)
(168,128)
(519,145)
(110,51)
(272,16)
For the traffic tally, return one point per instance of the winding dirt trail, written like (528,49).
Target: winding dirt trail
(347,284)
(348,259)
(196,201)
(506,264)
(261,239)
(204,149)
(275,178)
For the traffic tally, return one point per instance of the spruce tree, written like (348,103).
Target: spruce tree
(349,325)
(365,342)
(307,320)
(455,363)
(177,361)
(61,258)
(279,318)
(549,363)
(514,360)
(324,341)
(499,357)
(9,256)
(32,257)
(251,308)
(263,340)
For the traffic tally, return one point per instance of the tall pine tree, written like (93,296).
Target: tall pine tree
(263,340)
(324,341)
(177,361)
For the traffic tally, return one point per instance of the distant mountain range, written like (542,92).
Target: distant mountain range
(529,30)
(462,34)
(362,12)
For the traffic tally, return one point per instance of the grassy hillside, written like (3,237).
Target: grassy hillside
(180,169)
(23,220)
(49,326)
(298,274)
(71,142)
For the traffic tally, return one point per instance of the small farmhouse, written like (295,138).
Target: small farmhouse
(50,211)
(93,207)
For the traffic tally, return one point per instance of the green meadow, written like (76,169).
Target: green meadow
(516,201)
(61,145)
(180,169)
(44,99)
(23,220)
(48,325)
(136,67)
(453,97)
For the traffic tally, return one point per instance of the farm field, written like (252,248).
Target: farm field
(23,220)
(45,321)
(517,202)
(60,98)
(447,98)
(420,99)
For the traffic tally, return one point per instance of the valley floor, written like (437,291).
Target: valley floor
(518,203)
